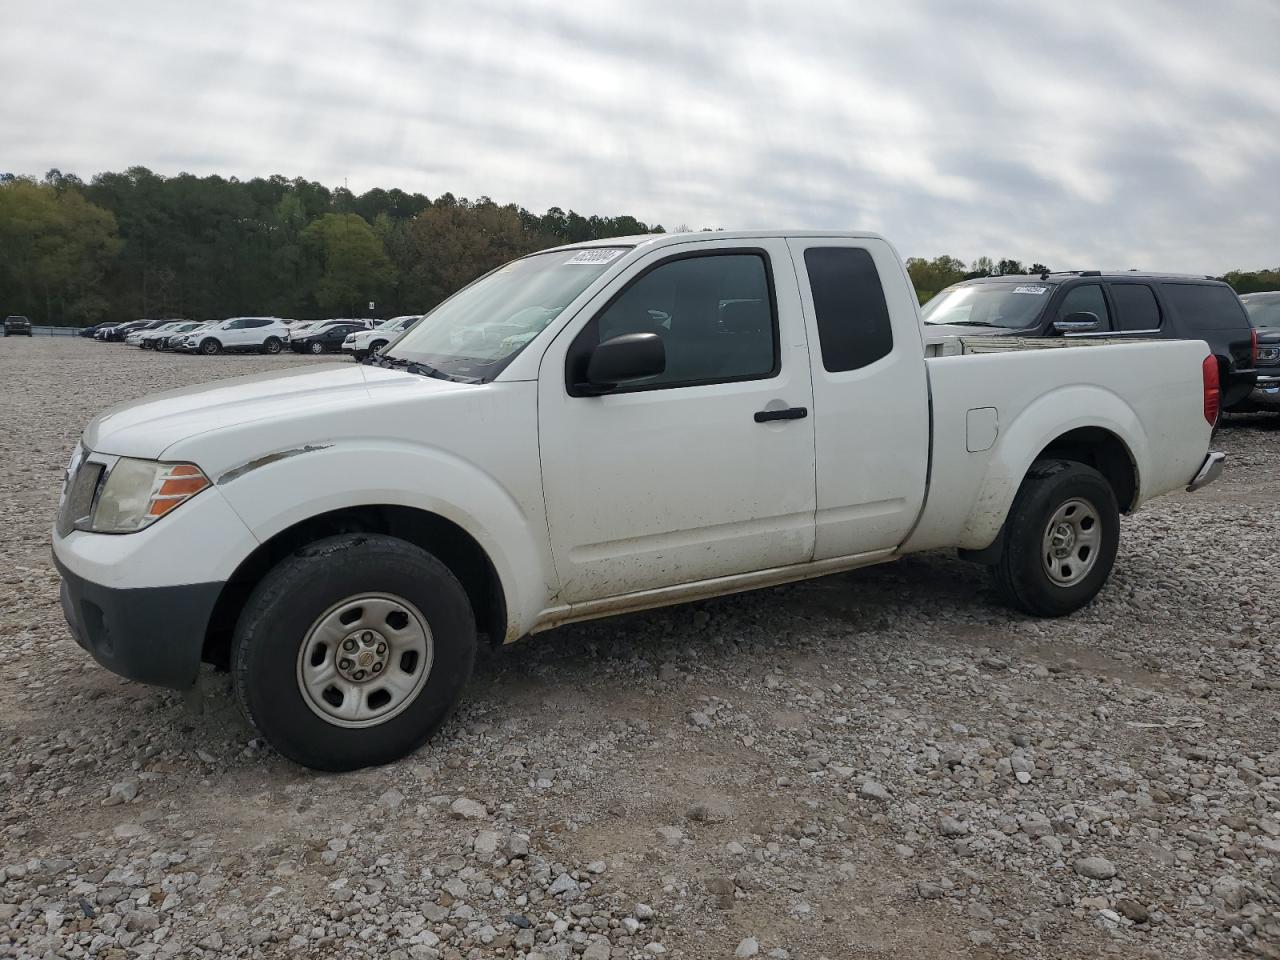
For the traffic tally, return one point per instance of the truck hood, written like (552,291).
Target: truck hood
(146,428)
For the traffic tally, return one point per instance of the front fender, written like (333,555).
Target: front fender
(274,492)
(1034,428)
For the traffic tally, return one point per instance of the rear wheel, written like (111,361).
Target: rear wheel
(210,346)
(1060,539)
(271,345)
(353,651)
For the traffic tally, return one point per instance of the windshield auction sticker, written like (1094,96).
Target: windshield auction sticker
(1036,290)
(597,255)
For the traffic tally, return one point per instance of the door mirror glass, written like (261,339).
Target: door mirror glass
(1082,322)
(624,358)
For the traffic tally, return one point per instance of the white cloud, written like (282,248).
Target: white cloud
(1137,134)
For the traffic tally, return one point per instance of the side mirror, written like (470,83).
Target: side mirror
(1083,322)
(621,359)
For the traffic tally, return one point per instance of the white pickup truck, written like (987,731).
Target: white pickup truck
(589,430)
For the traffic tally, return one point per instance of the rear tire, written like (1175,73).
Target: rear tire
(271,345)
(210,346)
(288,658)
(1060,539)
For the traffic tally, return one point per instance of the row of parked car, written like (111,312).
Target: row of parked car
(359,338)
(1242,332)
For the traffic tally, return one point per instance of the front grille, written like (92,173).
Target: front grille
(82,488)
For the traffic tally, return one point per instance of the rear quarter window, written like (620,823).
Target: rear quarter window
(849,306)
(1205,306)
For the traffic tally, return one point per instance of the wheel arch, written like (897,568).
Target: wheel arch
(446,540)
(1102,431)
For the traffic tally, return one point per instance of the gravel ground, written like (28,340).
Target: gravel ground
(877,764)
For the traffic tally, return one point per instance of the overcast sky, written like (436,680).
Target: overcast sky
(1143,133)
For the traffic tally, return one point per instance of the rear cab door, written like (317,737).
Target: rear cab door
(870,393)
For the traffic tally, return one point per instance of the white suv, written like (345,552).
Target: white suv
(364,342)
(258,334)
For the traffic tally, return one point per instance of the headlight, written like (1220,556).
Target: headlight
(137,493)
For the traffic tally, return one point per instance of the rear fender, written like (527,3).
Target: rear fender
(1038,425)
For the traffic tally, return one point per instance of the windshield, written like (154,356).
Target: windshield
(474,333)
(1263,309)
(1010,305)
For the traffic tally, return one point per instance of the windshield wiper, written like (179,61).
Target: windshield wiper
(412,366)
(967,323)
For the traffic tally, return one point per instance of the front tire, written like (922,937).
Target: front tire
(317,348)
(303,639)
(271,345)
(210,346)
(1060,539)
(377,345)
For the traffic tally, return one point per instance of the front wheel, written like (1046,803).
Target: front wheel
(272,345)
(317,348)
(353,651)
(210,346)
(1060,539)
(377,345)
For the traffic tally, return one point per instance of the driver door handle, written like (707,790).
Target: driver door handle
(789,413)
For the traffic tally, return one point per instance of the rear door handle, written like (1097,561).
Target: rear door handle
(789,413)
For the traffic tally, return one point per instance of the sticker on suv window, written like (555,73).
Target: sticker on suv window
(596,256)
(1036,290)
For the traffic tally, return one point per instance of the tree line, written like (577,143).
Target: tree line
(139,244)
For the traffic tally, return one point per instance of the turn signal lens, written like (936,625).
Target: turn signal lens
(177,483)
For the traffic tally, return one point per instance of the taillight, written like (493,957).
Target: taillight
(1212,392)
(1253,347)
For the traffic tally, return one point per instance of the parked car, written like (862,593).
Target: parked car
(324,337)
(237,334)
(591,430)
(1264,312)
(361,343)
(16,326)
(146,339)
(1091,303)
(164,339)
(134,337)
(91,331)
(117,333)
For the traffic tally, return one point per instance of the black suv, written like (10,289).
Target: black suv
(1090,303)
(17,327)
(1264,311)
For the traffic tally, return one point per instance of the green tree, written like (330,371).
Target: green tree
(353,266)
(55,248)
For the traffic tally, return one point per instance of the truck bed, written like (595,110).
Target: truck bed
(994,399)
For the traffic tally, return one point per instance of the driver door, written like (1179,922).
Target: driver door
(678,479)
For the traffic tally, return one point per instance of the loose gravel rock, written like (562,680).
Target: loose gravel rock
(881,763)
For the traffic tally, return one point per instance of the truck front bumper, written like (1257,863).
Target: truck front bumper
(1209,471)
(141,602)
(149,634)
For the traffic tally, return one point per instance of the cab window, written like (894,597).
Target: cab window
(714,312)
